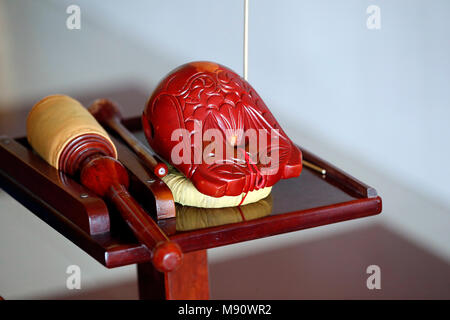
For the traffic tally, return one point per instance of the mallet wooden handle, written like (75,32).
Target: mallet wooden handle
(159,168)
(166,255)
(108,178)
(107,113)
(69,138)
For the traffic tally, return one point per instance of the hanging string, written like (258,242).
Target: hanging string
(246,39)
(250,164)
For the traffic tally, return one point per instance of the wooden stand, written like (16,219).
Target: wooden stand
(189,282)
(308,201)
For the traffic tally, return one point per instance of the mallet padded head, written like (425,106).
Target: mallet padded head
(56,121)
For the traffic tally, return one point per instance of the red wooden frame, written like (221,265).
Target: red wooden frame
(308,201)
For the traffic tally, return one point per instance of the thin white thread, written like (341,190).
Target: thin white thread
(246,39)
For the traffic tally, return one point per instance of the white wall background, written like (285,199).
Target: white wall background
(374,102)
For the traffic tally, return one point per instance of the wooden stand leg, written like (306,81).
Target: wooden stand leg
(189,282)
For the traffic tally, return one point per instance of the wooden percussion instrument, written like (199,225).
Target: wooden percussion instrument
(203,97)
(68,137)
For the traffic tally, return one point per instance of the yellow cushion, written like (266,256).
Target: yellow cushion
(190,218)
(185,193)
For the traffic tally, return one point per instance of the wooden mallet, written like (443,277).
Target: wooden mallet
(68,137)
(108,115)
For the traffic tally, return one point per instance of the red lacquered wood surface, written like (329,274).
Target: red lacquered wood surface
(108,178)
(80,148)
(166,255)
(109,116)
(189,282)
(25,169)
(150,190)
(201,96)
(299,203)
